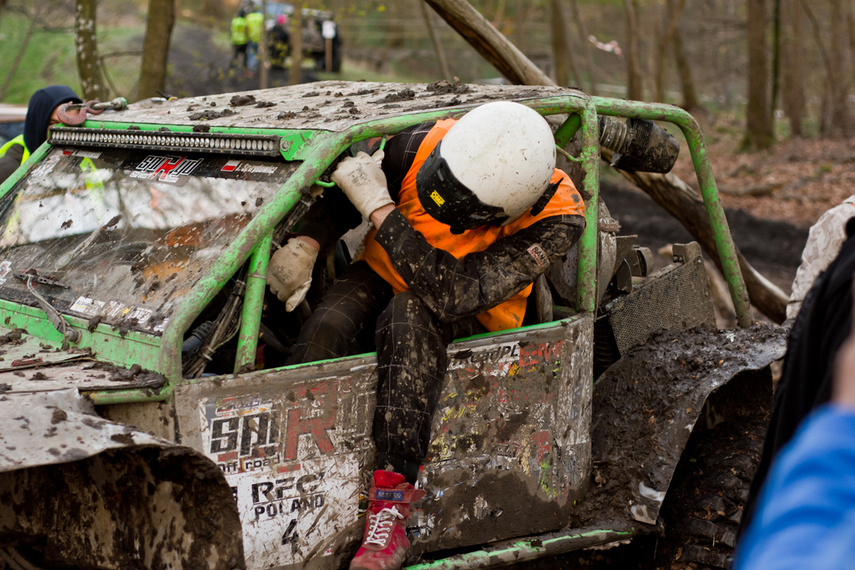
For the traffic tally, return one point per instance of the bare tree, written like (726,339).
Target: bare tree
(793,97)
(835,116)
(158,34)
(296,44)
(690,96)
(758,121)
(491,44)
(437,44)
(672,37)
(591,85)
(86,47)
(633,67)
(668,190)
(562,47)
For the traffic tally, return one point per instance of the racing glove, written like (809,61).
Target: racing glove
(289,272)
(363,181)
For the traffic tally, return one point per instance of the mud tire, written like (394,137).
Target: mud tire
(704,505)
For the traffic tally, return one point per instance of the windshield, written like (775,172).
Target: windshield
(119,236)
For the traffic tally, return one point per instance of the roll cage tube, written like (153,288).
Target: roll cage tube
(320,149)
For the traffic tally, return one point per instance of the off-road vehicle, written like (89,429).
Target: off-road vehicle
(149,422)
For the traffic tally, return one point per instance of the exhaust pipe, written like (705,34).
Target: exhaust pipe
(639,145)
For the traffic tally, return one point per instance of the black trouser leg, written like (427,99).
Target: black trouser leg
(348,309)
(412,360)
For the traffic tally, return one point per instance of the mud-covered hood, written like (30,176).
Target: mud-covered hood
(29,365)
(60,426)
(90,488)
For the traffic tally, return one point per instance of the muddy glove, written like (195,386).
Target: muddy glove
(289,273)
(363,181)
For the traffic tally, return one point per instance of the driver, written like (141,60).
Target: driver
(467,214)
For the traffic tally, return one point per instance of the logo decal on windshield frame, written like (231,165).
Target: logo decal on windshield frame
(167,169)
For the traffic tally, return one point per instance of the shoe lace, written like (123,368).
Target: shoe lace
(381,524)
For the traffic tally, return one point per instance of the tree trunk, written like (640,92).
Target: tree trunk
(523,10)
(559,54)
(672,15)
(562,46)
(776,60)
(158,33)
(437,44)
(850,27)
(633,68)
(758,125)
(489,42)
(793,95)
(591,85)
(86,46)
(295,71)
(263,56)
(690,102)
(835,116)
(685,205)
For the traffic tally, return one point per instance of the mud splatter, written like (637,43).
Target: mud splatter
(211,115)
(242,100)
(58,416)
(13,337)
(442,87)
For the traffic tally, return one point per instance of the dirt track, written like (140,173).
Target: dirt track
(772,247)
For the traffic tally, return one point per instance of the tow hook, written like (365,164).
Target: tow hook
(93,107)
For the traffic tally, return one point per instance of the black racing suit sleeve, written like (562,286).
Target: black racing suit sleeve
(455,288)
(329,218)
(332,215)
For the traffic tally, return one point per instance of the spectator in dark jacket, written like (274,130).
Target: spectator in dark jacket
(41,114)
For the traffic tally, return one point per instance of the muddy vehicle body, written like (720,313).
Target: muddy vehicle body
(150,424)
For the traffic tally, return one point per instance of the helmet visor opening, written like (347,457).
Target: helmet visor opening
(450,202)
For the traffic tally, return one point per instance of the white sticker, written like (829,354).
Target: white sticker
(87,154)
(87,307)
(328,30)
(141,315)
(5,268)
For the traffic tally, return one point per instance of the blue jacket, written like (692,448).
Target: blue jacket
(805,517)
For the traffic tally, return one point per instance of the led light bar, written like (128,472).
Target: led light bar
(218,143)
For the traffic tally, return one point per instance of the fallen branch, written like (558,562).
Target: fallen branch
(673,194)
(668,190)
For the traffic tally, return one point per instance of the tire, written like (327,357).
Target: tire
(704,505)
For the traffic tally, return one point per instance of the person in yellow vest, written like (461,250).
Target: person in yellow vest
(467,214)
(41,114)
(254,23)
(239,40)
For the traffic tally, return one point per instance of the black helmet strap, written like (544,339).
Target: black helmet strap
(544,198)
(449,201)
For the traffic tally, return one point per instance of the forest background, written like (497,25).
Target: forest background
(770,81)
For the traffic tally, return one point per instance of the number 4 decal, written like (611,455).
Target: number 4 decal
(290,536)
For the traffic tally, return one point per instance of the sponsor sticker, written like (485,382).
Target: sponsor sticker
(231,165)
(539,255)
(87,154)
(169,169)
(5,268)
(87,307)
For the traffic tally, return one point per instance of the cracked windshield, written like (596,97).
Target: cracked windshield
(121,236)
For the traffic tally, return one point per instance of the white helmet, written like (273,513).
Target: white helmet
(491,166)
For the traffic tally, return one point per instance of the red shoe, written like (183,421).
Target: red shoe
(384,542)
